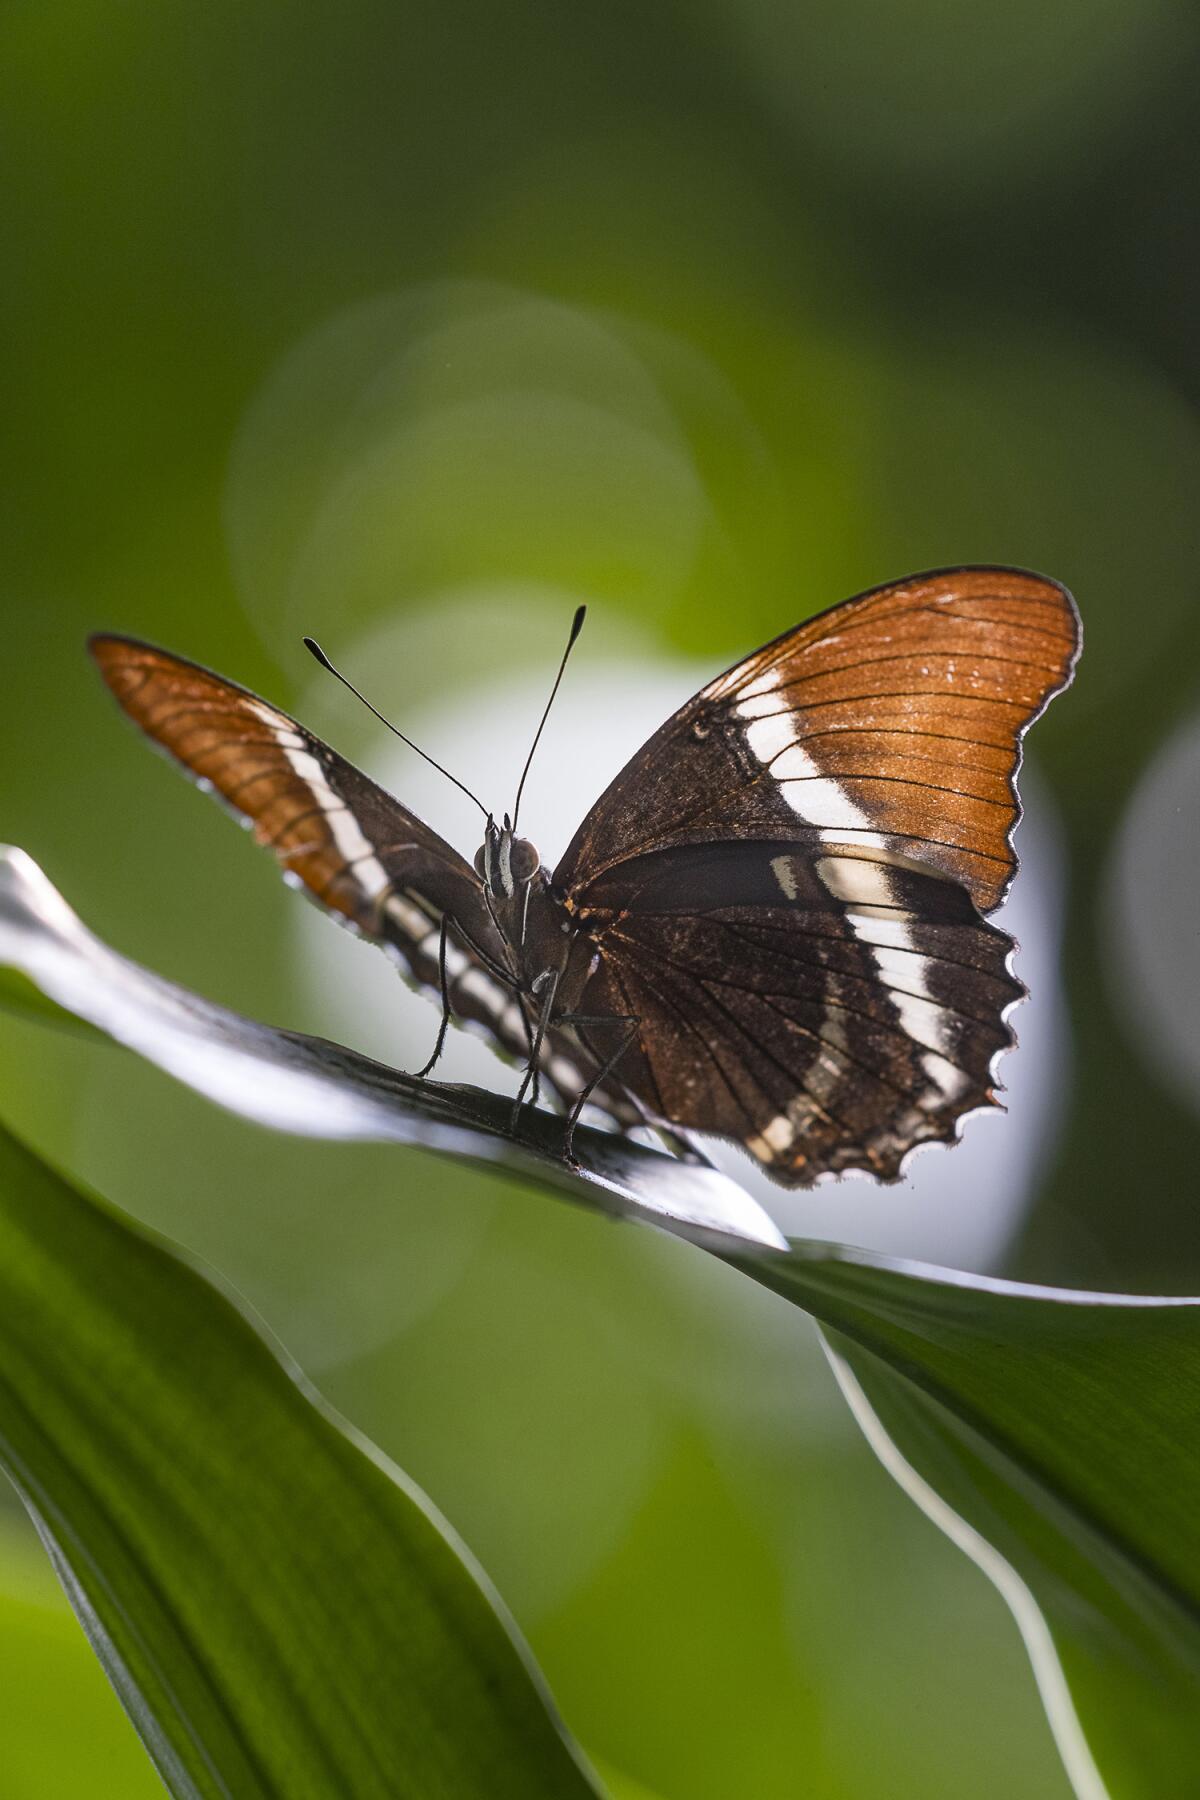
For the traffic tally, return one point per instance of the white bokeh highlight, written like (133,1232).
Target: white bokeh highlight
(1153,914)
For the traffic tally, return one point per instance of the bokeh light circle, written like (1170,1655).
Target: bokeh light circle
(1152,914)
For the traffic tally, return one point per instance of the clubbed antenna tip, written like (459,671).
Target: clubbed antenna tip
(576,628)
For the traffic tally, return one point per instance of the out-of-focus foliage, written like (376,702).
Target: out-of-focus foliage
(279,1612)
(1062,1431)
(366,320)
(50,1674)
(1059,1428)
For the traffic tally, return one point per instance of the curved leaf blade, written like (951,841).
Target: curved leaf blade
(305,1085)
(283,1614)
(1111,1662)
(1062,1430)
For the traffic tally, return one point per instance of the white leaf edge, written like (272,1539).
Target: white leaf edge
(1048,1673)
(311,1088)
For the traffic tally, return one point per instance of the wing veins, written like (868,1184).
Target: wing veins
(790,1074)
(939,654)
(843,775)
(818,1037)
(873,619)
(895,1030)
(665,1000)
(951,962)
(943,737)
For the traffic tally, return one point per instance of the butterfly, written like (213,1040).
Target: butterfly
(770,927)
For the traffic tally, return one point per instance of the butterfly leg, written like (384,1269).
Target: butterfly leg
(549,982)
(632,1024)
(536,1086)
(445,987)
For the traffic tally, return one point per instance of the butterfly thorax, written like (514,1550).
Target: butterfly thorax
(532,920)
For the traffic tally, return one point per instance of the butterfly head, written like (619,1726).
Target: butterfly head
(504,862)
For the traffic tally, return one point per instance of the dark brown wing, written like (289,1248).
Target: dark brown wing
(351,845)
(822,1033)
(893,721)
(785,884)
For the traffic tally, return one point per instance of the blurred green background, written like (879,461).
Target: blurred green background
(412,327)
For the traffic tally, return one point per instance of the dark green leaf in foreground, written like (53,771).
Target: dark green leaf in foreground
(281,1613)
(1056,1436)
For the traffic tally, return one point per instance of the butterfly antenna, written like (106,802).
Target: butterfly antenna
(576,628)
(312,646)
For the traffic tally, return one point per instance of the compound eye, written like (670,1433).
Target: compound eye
(481,862)
(524,861)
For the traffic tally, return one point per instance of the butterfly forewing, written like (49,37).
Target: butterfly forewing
(894,718)
(355,849)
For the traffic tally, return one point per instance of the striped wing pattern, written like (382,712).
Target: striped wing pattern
(895,718)
(900,716)
(785,888)
(354,848)
(823,1034)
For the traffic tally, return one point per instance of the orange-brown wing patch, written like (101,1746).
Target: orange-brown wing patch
(899,715)
(264,765)
(355,848)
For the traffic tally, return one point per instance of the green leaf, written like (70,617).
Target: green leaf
(1055,1436)
(282,1613)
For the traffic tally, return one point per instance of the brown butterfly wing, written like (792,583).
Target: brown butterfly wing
(785,884)
(896,716)
(821,1035)
(351,845)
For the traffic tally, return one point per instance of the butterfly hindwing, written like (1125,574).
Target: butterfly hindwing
(823,1034)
